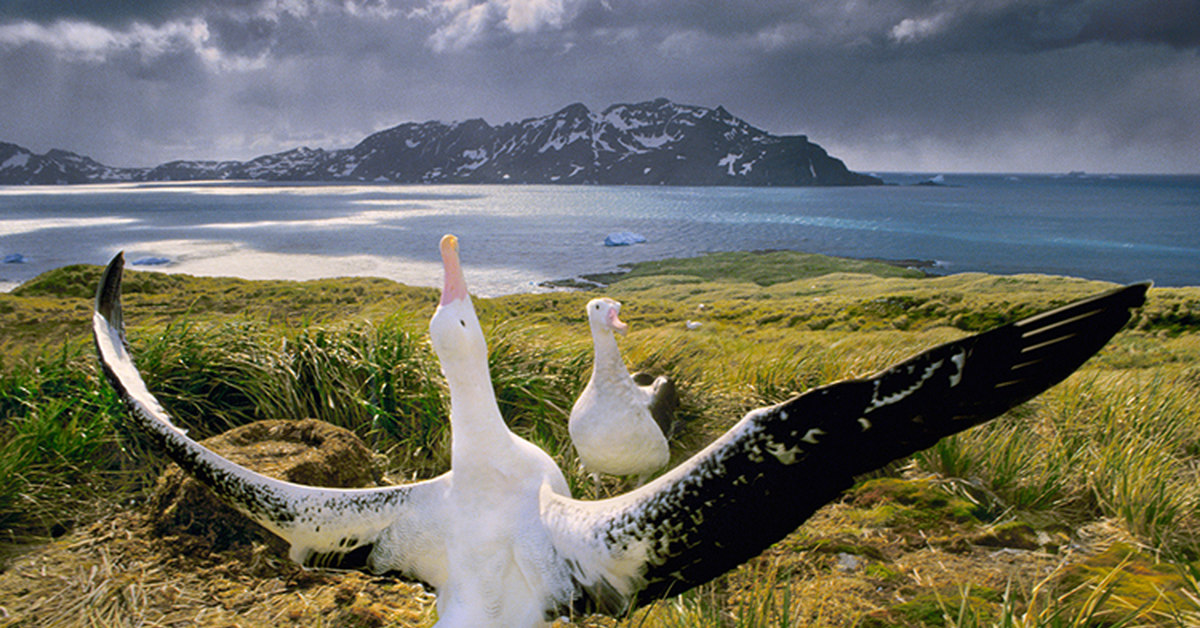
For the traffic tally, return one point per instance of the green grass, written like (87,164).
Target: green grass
(763,268)
(1119,442)
(59,449)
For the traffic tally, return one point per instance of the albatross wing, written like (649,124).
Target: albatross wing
(779,464)
(664,400)
(397,528)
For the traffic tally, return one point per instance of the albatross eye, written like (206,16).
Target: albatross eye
(462,322)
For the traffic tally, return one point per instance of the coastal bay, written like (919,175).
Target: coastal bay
(517,237)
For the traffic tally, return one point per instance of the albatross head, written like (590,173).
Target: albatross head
(454,329)
(602,315)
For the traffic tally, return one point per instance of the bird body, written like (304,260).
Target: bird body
(495,492)
(611,424)
(503,543)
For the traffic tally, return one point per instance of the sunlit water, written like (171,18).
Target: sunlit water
(515,237)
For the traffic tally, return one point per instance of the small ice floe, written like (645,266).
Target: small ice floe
(150,261)
(623,238)
(693,325)
(14,258)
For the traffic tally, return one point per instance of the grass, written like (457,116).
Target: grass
(59,445)
(1109,455)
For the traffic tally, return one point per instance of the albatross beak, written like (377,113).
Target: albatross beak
(455,286)
(617,324)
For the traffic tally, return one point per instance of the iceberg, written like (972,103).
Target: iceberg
(623,238)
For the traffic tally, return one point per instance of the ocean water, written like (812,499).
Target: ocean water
(1123,228)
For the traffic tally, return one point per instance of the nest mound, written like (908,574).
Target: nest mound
(308,451)
(186,558)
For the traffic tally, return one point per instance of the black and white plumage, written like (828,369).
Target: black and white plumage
(619,424)
(505,546)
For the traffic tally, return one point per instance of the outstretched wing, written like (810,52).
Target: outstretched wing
(395,528)
(779,464)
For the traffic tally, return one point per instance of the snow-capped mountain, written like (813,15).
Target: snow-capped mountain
(20,166)
(656,142)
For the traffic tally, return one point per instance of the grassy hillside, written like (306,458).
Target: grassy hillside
(1082,503)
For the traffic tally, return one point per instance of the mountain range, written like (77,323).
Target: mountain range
(650,143)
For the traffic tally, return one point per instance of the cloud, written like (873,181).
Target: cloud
(684,45)
(85,41)
(1034,25)
(915,29)
(465,23)
(123,12)
(134,83)
(531,15)
(227,36)
(1172,22)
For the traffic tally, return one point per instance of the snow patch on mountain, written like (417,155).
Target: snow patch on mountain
(16,161)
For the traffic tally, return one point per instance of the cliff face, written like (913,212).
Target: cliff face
(649,143)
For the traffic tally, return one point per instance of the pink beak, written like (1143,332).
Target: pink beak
(617,324)
(455,286)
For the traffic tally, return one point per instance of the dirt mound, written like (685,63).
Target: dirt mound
(185,558)
(308,452)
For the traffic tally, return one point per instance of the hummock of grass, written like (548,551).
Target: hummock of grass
(1079,508)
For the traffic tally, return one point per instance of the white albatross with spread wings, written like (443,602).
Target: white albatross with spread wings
(618,425)
(504,546)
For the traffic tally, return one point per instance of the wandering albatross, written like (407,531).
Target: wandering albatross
(504,545)
(619,424)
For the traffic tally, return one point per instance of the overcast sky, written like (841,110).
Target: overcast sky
(886,85)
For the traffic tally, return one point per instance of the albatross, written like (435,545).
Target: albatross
(502,543)
(620,422)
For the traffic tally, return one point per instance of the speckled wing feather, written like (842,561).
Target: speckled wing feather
(381,529)
(779,464)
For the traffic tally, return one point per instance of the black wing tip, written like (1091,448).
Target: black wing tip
(108,292)
(1136,292)
(1128,296)
(1122,298)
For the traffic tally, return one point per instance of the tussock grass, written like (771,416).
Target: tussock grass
(57,446)
(1116,443)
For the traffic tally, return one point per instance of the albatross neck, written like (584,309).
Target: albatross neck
(475,421)
(608,356)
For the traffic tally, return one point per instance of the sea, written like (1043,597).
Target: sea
(514,238)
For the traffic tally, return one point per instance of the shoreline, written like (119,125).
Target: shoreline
(414,273)
(526,238)
(589,281)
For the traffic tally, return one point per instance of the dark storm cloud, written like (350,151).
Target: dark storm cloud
(246,36)
(116,12)
(1033,26)
(936,25)
(1173,22)
(971,83)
